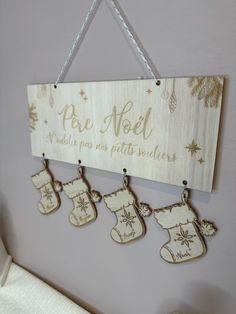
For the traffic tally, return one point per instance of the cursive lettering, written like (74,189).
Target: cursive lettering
(69,115)
(119,123)
(181,255)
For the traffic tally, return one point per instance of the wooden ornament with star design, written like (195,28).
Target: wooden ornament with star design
(79,191)
(130,224)
(44,182)
(186,231)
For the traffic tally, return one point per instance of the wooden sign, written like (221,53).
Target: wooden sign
(165,132)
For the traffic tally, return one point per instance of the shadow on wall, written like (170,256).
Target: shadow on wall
(8,228)
(1,216)
(201,298)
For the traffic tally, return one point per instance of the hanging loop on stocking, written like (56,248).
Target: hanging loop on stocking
(44,161)
(125,179)
(80,169)
(185,195)
(123,22)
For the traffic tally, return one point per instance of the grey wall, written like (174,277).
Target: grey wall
(183,38)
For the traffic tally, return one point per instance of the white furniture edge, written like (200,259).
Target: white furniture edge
(6,267)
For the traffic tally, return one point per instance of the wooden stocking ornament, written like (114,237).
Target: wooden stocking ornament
(44,182)
(78,190)
(185,231)
(123,203)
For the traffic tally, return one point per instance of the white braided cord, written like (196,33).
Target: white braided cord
(79,38)
(123,23)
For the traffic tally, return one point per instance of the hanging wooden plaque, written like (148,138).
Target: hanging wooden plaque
(165,132)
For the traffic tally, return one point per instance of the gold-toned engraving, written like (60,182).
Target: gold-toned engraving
(79,191)
(119,123)
(185,231)
(123,203)
(42,91)
(165,93)
(184,237)
(192,148)
(128,219)
(33,117)
(208,89)
(173,98)
(201,160)
(83,95)
(51,99)
(48,188)
(81,202)
(69,114)
(48,193)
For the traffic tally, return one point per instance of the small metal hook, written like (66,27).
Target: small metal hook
(43,160)
(185,193)
(125,178)
(80,168)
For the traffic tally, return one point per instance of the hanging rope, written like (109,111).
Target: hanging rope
(125,24)
(78,40)
(85,26)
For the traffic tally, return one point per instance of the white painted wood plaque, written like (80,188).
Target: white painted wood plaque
(166,133)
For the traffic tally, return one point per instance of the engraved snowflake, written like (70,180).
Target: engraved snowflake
(128,219)
(48,194)
(184,237)
(82,204)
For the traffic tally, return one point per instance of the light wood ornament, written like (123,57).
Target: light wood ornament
(123,203)
(44,182)
(78,190)
(185,231)
(165,132)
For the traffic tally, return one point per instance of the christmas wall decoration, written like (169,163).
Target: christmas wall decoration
(78,190)
(44,182)
(160,129)
(185,231)
(117,124)
(123,203)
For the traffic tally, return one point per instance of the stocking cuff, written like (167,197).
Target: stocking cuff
(119,199)
(75,187)
(174,215)
(41,178)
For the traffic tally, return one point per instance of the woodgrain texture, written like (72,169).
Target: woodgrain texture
(48,188)
(79,191)
(123,203)
(186,231)
(166,133)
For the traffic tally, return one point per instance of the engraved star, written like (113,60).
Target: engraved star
(201,160)
(192,148)
(82,93)
(149,91)
(85,98)
(46,121)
